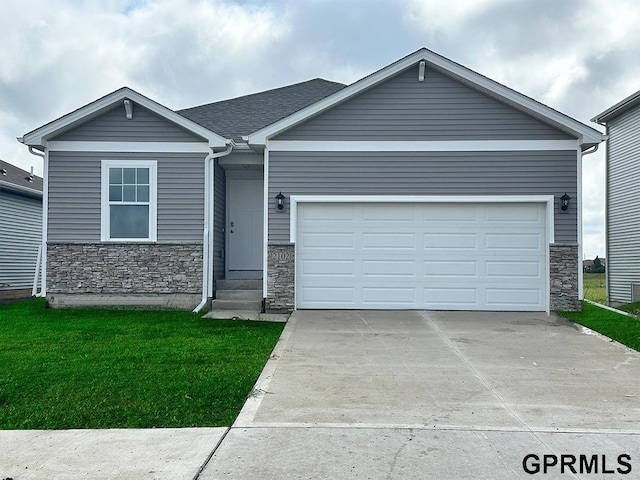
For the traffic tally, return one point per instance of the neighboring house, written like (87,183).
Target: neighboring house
(424,185)
(20,230)
(622,122)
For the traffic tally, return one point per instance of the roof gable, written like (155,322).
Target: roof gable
(438,108)
(142,125)
(587,136)
(40,136)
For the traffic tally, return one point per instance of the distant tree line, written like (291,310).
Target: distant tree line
(595,267)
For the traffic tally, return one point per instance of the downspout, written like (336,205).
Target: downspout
(41,262)
(209,203)
(588,151)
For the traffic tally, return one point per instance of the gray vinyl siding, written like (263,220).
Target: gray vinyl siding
(440,108)
(74,195)
(424,173)
(219,223)
(20,236)
(623,206)
(113,126)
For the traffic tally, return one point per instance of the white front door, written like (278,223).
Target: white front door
(421,256)
(244,225)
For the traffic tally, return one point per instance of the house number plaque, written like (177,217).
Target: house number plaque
(280,255)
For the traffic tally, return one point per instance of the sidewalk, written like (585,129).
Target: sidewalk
(153,454)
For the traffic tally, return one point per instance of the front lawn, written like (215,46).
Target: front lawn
(621,328)
(63,369)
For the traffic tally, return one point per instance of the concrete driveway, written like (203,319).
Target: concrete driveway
(438,395)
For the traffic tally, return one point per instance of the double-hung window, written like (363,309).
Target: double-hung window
(129,191)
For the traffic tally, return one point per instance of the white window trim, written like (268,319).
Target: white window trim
(152,165)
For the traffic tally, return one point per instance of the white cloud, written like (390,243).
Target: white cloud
(435,15)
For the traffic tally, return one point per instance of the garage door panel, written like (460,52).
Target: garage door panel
(450,213)
(519,214)
(510,298)
(327,267)
(388,268)
(449,269)
(388,213)
(319,296)
(514,242)
(390,241)
(389,297)
(513,269)
(327,240)
(490,258)
(450,241)
(319,212)
(448,297)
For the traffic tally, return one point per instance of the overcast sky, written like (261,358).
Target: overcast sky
(577,56)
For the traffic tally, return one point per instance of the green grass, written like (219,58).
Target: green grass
(632,308)
(595,287)
(621,328)
(62,369)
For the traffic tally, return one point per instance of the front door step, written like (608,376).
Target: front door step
(238,295)
(244,284)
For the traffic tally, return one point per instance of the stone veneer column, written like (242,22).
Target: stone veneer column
(563,273)
(280,278)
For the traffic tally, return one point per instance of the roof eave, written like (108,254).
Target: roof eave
(20,189)
(617,109)
(584,133)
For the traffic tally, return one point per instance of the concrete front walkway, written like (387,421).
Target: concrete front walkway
(436,395)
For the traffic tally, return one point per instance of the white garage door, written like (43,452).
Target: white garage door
(421,256)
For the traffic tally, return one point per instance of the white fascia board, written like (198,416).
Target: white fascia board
(294,200)
(420,146)
(587,134)
(130,147)
(40,136)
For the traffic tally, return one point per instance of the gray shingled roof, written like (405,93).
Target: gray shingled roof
(10,175)
(244,115)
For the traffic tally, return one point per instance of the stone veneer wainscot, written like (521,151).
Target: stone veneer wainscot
(124,268)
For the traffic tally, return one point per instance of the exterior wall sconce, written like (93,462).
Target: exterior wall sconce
(565,199)
(280,201)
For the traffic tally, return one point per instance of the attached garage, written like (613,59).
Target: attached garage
(422,253)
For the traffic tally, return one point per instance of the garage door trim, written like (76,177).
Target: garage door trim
(547,200)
